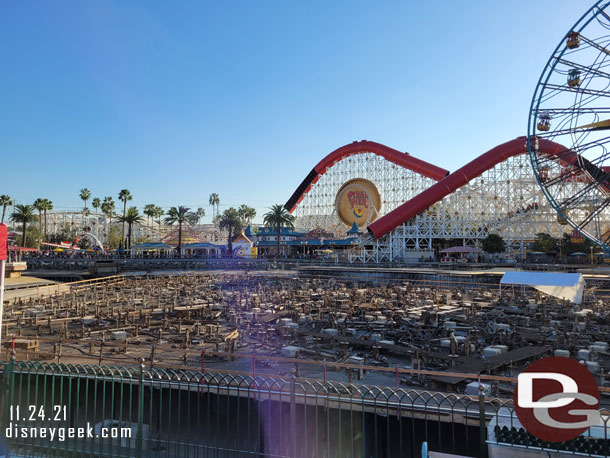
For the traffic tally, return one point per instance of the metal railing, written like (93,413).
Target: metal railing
(173,413)
(154,412)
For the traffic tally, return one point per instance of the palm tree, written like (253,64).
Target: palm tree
(47,205)
(84,195)
(149,211)
(278,217)
(131,217)
(159,212)
(231,222)
(124,196)
(200,214)
(96,203)
(214,202)
(247,213)
(5,201)
(180,215)
(38,205)
(108,208)
(24,214)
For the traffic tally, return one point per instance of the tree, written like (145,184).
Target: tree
(214,202)
(124,196)
(569,246)
(131,217)
(84,195)
(96,203)
(34,236)
(231,222)
(200,214)
(108,208)
(38,204)
(247,213)
(493,244)
(24,214)
(277,218)
(47,205)
(5,201)
(180,215)
(66,232)
(149,211)
(159,212)
(113,238)
(545,243)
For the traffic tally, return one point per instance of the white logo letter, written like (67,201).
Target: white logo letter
(525,391)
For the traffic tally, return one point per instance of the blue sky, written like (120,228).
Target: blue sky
(176,100)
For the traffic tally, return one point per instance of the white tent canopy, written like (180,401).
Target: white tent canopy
(564,286)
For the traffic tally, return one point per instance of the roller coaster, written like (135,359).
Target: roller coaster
(423,203)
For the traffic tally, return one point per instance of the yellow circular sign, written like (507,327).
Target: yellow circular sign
(358,201)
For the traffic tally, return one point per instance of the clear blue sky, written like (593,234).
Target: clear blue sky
(175,100)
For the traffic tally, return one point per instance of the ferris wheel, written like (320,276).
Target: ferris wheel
(569,126)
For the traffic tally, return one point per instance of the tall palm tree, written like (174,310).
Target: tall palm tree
(24,214)
(96,203)
(108,208)
(5,201)
(124,196)
(200,214)
(277,217)
(38,205)
(131,217)
(247,213)
(180,215)
(158,213)
(47,205)
(149,211)
(231,222)
(214,202)
(84,195)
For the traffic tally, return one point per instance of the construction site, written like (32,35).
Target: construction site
(402,333)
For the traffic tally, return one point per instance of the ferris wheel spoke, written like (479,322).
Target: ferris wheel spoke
(577,90)
(594,44)
(574,110)
(603,13)
(588,70)
(595,213)
(578,196)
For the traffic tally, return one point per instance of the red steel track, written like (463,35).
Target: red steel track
(446,182)
(403,159)
(460,177)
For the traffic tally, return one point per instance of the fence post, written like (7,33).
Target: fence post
(140,409)
(293,417)
(7,391)
(482,423)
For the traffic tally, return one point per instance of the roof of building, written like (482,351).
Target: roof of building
(354,229)
(249,232)
(262,231)
(152,246)
(242,238)
(189,235)
(315,243)
(202,245)
(20,248)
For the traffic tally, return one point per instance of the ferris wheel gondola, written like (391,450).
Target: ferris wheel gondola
(571,107)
